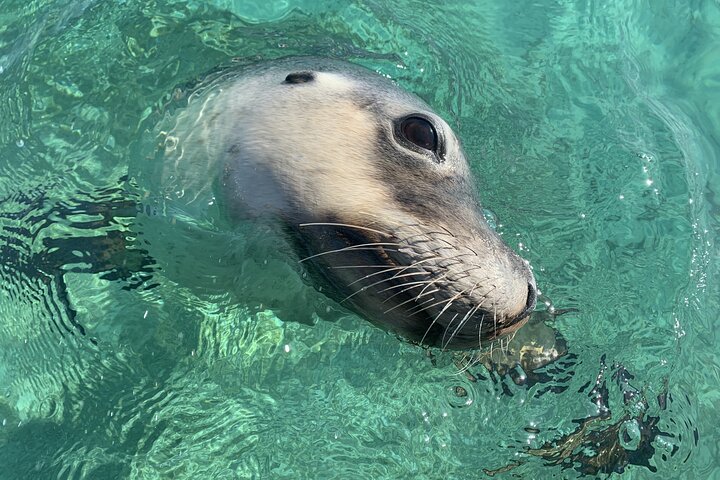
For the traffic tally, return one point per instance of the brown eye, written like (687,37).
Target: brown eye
(420,132)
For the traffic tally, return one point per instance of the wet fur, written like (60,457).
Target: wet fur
(310,145)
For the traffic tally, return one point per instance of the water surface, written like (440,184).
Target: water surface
(592,128)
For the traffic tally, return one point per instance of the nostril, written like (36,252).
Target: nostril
(529,303)
(531,298)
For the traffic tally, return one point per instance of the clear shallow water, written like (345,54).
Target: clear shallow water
(592,129)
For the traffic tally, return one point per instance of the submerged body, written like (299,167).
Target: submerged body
(367,186)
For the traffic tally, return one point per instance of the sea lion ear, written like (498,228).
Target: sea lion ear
(299,77)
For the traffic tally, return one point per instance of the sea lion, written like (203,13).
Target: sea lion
(368,187)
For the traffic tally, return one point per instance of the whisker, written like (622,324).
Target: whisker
(328,224)
(387,269)
(507,346)
(401,268)
(468,316)
(428,243)
(430,236)
(377,283)
(388,220)
(352,247)
(463,322)
(494,320)
(360,266)
(480,332)
(427,232)
(442,342)
(473,289)
(447,305)
(431,299)
(462,255)
(414,285)
(474,360)
(422,292)
(431,325)
(405,302)
(447,231)
(432,305)
(464,273)
(411,312)
(429,285)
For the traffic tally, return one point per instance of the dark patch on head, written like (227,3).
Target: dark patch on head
(300,77)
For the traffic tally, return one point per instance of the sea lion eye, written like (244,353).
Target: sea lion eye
(421,132)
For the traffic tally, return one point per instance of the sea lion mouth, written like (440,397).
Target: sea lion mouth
(408,286)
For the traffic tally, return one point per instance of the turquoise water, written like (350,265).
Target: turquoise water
(592,128)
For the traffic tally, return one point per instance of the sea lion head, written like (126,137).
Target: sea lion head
(375,193)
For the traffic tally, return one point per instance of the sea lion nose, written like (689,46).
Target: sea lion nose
(530,301)
(531,298)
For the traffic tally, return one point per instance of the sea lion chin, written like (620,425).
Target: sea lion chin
(368,186)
